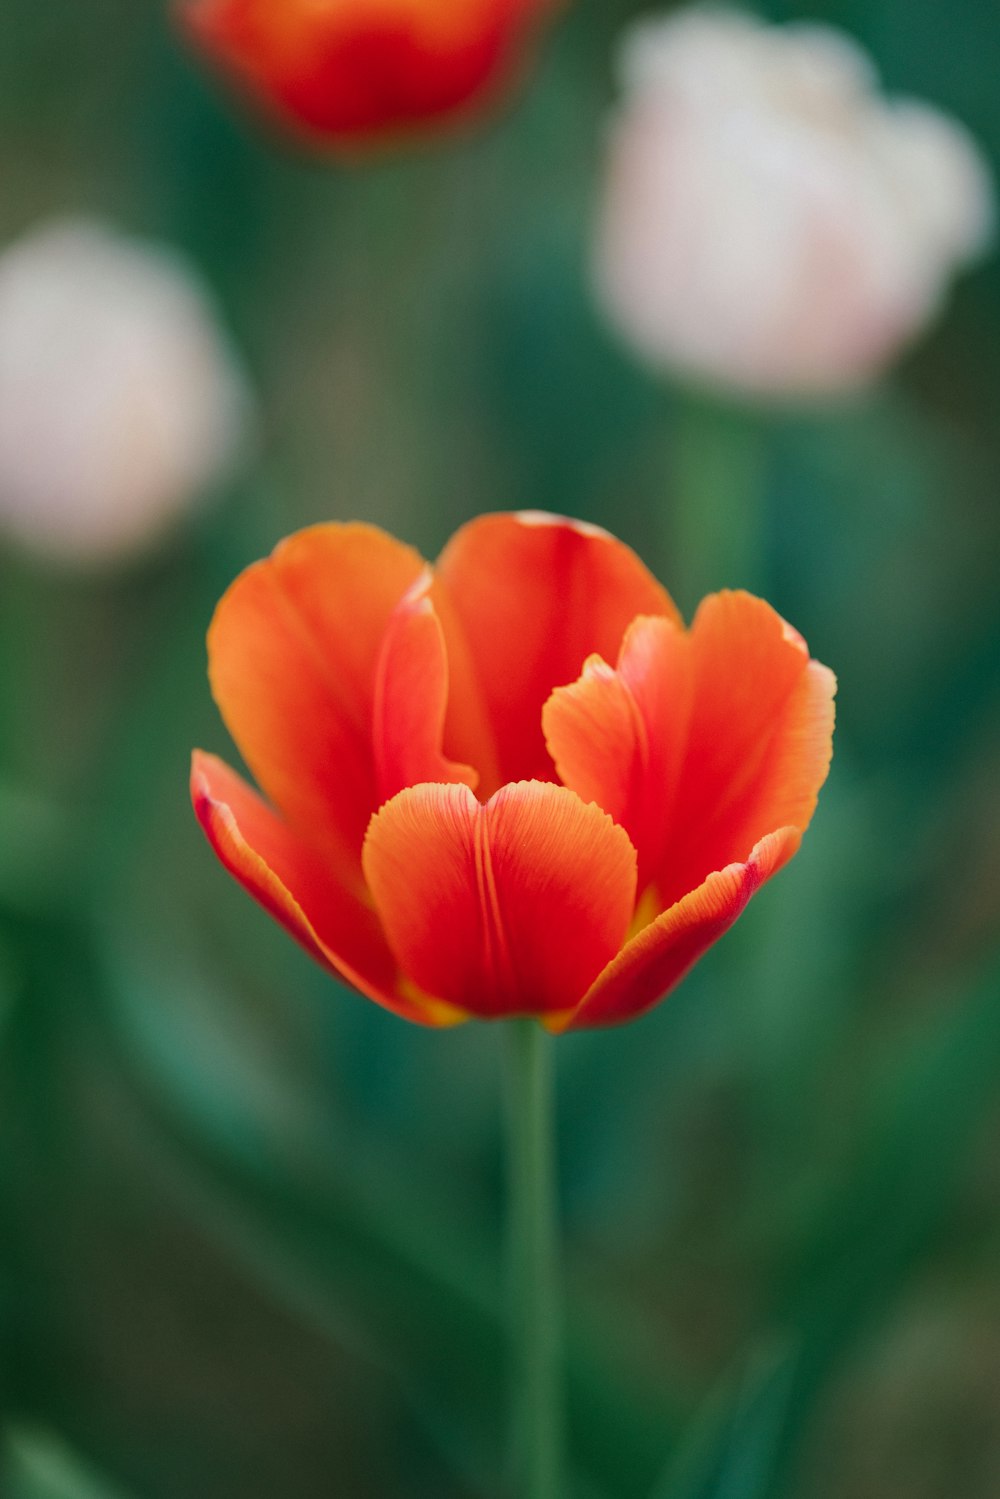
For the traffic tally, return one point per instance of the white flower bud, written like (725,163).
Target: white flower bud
(769,223)
(121,400)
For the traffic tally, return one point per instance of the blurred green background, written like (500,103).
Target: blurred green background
(250,1225)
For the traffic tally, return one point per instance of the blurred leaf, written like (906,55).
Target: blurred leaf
(38,842)
(373,1260)
(392,1275)
(733,1452)
(870,1236)
(926,1109)
(10,984)
(35,1464)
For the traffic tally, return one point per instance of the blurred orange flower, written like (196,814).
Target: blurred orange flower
(510,784)
(351,73)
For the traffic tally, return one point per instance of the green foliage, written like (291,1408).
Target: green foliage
(35,1465)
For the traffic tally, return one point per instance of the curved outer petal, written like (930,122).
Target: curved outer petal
(293,649)
(532,597)
(759,740)
(661,954)
(503,909)
(617,735)
(294,886)
(411,698)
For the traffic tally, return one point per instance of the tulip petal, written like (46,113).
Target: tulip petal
(617,734)
(509,908)
(411,697)
(533,596)
(759,739)
(293,884)
(293,650)
(352,73)
(662,952)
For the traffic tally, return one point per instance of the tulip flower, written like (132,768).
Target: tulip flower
(512,784)
(769,223)
(122,400)
(351,73)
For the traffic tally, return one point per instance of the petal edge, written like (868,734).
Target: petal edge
(659,956)
(284,876)
(532,596)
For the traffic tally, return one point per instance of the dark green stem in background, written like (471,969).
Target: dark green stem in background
(718,520)
(536,1384)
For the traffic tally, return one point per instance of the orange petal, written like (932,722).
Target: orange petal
(661,954)
(411,696)
(617,735)
(509,908)
(293,884)
(759,739)
(533,596)
(293,650)
(469,737)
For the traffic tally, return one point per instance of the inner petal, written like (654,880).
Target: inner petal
(531,596)
(617,735)
(411,697)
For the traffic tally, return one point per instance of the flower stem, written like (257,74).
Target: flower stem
(719,519)
(536,1393)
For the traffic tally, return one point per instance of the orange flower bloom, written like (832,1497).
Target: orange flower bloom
(350,72)
(512,784)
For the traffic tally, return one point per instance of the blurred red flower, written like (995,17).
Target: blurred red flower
(510,784)
(352,73)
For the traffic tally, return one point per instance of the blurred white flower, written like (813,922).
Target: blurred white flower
(769,222)
(121,400)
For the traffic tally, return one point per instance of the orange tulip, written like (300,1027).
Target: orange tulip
(353,72)
(512,784)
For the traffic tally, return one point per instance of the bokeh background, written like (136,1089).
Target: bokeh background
(250,1226)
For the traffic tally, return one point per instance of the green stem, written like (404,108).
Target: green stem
(536,1392)
(719,493)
